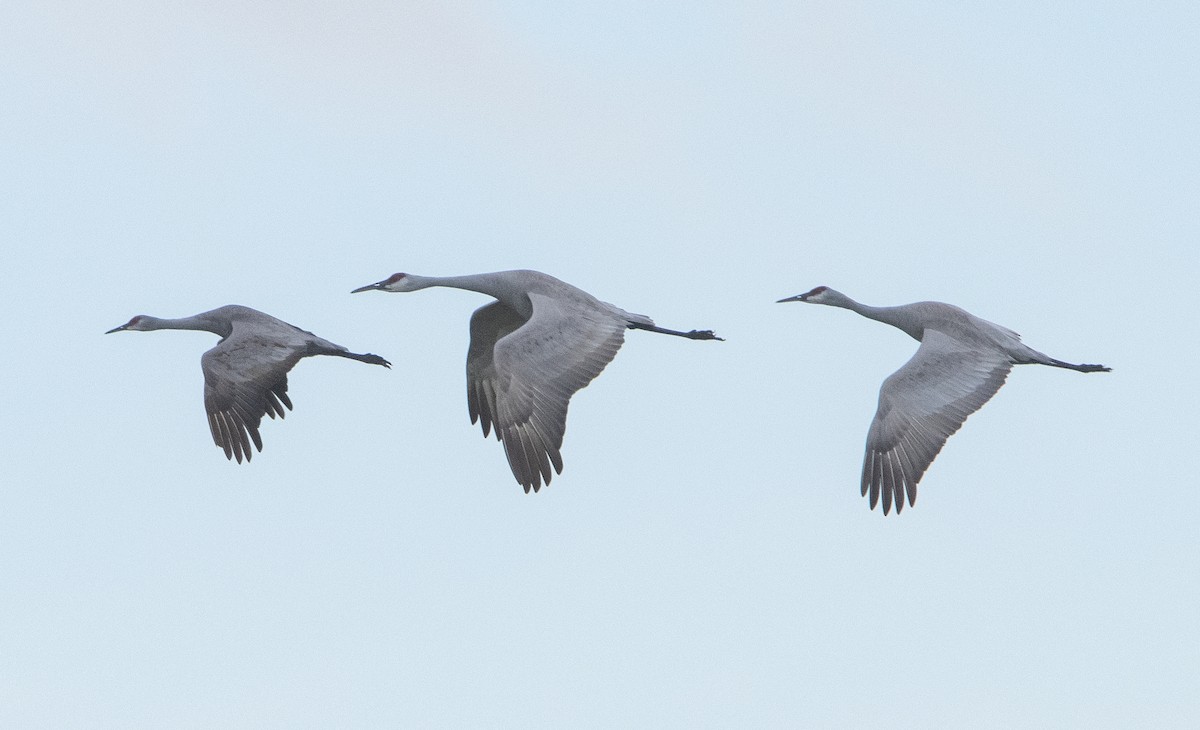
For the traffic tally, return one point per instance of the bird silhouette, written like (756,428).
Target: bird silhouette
(531,350)
(961,363)
(245,375)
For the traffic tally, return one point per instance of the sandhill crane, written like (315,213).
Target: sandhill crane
(531,350)
(245,375)
(961,363)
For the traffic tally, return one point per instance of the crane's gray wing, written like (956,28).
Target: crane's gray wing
(521,376)
(920,406)
(245,378)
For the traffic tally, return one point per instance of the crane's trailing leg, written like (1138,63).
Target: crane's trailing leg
(1033,357)
(691,334)
(367,358)
(1081,368)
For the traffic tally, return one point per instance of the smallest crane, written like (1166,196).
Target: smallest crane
(245,375)
(961,363)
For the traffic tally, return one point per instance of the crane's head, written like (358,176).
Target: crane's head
(395,282)
(820,295)
(137,323)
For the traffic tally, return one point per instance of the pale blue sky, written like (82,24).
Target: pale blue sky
(705,559)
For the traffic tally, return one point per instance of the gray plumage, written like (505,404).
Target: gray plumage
(961,363)
(245,375)
(531,350)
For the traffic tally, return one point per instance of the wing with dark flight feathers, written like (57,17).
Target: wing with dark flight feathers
(920,406)
(245,378)
(521,376)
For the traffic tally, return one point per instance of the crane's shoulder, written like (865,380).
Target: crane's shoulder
(238,312)
(251,324)
(964,326)
(537,282)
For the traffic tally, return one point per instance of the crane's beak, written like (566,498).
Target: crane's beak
(797,298)
(116,329)
(368,287)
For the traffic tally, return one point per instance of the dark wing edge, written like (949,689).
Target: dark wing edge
(234,420)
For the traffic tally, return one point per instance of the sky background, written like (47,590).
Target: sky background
(705,559)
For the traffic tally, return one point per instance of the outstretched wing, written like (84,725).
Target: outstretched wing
(521,376)
(245,378)
(920,406)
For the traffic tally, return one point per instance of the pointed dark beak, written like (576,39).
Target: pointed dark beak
(116,329)
(368,287)
(797,298)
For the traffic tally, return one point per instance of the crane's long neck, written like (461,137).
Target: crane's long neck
(497,284)
(195,322)
(899,317)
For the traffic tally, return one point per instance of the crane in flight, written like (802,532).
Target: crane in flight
(531,349)
(245,375)
(961,363)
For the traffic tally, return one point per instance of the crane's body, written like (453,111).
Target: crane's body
(962,362)
(531,349)
(245,375)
